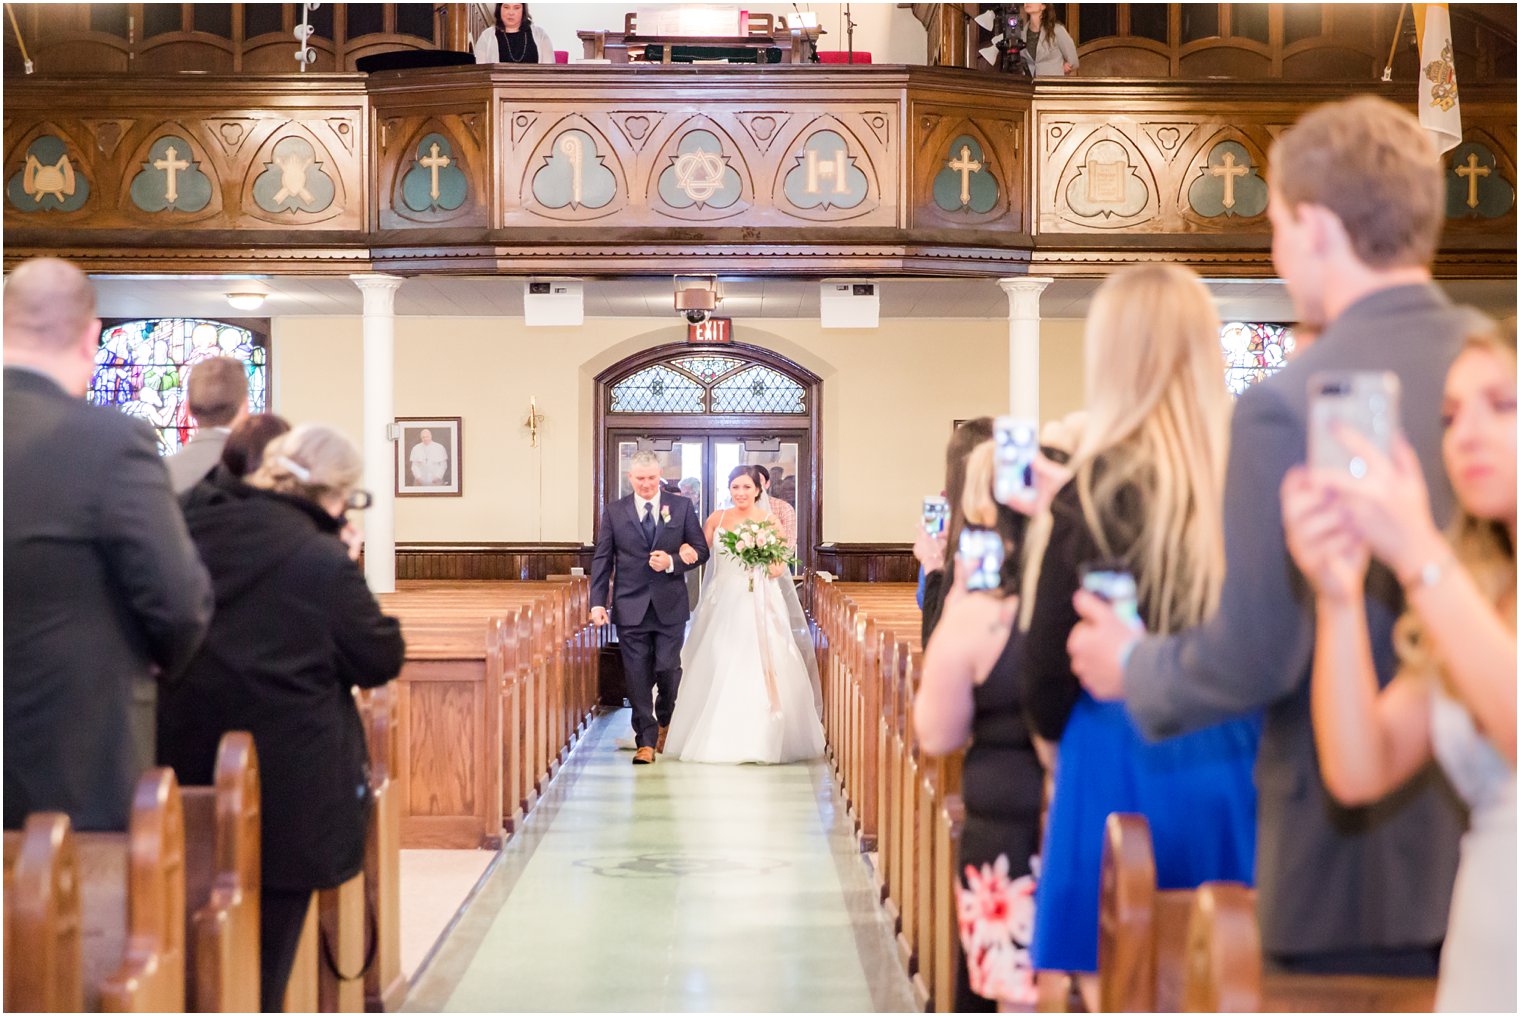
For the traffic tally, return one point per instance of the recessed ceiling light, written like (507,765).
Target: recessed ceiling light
(246,301)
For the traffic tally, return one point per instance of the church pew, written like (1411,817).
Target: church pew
(1224,971)
(132,904)
(42,910)
(871,663)
(301,993)
(384,983)
(346,940)
(1184,950)
(485,715)
(222,882)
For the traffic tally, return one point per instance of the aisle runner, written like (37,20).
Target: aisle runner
(673,887)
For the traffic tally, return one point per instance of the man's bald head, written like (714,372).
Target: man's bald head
(49,305)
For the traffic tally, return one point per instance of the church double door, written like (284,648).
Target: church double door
(698,462)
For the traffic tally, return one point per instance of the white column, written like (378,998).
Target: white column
(379,413)
(1024,344)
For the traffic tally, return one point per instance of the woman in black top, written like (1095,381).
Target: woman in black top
(295,629)
(972,686)
(513,38)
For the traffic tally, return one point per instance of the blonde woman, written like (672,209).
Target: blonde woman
(1145,498)
(295,629)
(1453,697)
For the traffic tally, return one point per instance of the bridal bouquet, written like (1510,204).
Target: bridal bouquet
(756,545)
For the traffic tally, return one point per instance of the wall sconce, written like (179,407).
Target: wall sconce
(534,421)
(246,301)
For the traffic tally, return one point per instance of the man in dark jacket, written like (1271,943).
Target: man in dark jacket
(103,588)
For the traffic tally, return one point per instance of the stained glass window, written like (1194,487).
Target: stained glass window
(657,389)
(708,368)
(1253,351)
(758,390)
(142,367)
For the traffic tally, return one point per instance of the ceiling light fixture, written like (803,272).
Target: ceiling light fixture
(246,301)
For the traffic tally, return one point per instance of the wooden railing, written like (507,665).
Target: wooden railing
(882,169)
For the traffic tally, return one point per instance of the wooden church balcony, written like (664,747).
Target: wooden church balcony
(587,169)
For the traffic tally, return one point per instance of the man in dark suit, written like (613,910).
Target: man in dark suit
(1357,206)
(646,544)
(102,585)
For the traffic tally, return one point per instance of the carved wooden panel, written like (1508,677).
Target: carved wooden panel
(248,162)
(650,163)
(434,169)
(969,166)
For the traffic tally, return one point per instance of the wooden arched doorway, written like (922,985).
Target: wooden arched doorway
(704,410)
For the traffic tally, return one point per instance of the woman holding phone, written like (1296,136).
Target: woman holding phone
(1453,697)
(972,688)
(1142,510)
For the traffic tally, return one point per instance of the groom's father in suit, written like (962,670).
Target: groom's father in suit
(646,544)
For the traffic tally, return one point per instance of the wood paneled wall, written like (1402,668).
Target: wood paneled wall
(490,561)
(868,562)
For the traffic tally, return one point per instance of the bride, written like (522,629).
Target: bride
(750,690)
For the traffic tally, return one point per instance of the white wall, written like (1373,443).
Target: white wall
(889,396)
(889,34)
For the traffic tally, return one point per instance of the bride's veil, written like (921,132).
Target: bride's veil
(800,631)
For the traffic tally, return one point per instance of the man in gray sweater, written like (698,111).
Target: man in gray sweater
(218,397)
(1357,206)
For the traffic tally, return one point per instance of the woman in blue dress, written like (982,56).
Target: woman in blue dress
(1145,498)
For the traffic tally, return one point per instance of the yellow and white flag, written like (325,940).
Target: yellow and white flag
(1439,111)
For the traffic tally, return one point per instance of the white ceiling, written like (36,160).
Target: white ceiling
(501,296)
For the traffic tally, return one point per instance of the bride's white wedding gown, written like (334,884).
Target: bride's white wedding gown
(725,710)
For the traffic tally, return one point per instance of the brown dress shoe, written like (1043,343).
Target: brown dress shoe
(659,746)
(644,756)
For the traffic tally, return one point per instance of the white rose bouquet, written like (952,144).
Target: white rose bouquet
(756,545)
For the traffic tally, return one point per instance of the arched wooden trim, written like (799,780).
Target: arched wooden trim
(601,484)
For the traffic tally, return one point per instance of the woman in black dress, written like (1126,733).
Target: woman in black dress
(971,686)
(295,629)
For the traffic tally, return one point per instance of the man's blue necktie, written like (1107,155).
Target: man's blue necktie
(649,523)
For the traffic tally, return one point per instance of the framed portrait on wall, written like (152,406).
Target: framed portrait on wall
(428,457)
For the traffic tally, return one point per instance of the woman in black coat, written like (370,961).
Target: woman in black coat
(295,629)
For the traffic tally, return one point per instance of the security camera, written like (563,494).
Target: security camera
(696,304)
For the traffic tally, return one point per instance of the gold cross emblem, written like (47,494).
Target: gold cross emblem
(965,165)
(433,162)
(171,165)
(1471,172)
(1229,171)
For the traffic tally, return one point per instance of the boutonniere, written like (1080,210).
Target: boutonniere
(665,513)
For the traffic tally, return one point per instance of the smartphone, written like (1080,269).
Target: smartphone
(1114,584)
(936,515)
(1016,443)
(981,553)
(1366,402)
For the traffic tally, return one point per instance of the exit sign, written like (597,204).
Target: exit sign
(718,329)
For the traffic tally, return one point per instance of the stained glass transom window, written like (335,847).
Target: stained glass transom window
(758,390)
(708,368)
(142,366)
(1253,352)
(709,383)
(657,389)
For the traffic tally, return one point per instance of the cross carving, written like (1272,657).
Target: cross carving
(1472,171)
(1229,171)
(433,162)
(965,165)
(171,166)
